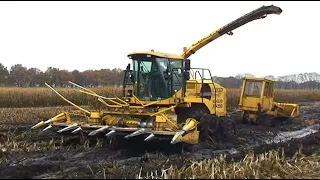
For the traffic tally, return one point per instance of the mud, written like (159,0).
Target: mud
(26,154)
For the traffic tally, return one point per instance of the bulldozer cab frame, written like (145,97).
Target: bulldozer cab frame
(257,93)
(257,99)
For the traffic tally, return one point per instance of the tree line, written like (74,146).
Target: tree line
(232,82)
(20,76)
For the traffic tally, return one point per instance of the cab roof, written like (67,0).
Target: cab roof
(158,54)
(257,79)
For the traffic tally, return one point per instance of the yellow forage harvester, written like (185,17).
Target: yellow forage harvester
(164,98)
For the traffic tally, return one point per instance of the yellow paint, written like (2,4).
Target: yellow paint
(216,102)
(191,138)
(191,124)
(265,99)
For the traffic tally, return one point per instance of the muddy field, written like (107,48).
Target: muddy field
(36,154)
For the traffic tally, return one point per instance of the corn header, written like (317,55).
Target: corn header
(163,98)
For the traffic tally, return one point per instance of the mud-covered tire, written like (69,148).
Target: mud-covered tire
(209,128)
(229,127)
(208,124)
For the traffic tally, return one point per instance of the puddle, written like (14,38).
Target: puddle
(286,136)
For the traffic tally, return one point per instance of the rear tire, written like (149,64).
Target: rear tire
(208,123)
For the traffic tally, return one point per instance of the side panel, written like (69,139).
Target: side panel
(250,103)
(205,93)
(267,96)
(251,94)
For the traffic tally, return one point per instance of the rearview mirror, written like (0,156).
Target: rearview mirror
(187,64)
(128,67)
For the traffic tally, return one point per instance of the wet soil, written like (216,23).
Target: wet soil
(46,155)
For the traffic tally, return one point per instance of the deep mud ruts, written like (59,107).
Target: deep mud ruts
(77,160)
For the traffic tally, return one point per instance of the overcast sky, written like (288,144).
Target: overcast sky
(95,35)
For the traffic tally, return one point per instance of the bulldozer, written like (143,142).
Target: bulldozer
(257,101)
(164,98)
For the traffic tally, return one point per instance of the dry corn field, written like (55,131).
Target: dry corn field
(253,152)
(43,97)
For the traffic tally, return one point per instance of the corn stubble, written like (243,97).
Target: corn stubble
(272,164)
(269,165)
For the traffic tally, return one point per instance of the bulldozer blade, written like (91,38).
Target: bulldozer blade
(48,127)
(76,130)
(151,136)
(136,133)
(67,128)
(177,137)
(98,130)
(110,133)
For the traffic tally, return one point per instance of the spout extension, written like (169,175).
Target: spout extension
(259,13)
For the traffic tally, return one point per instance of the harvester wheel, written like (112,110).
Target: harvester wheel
(208,127)
(208,124)
(229,127)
